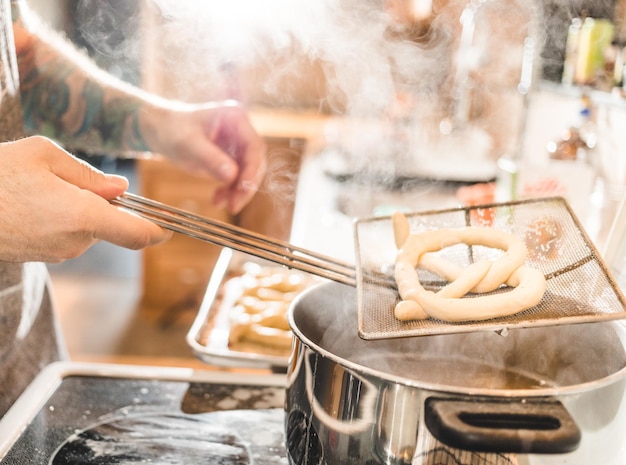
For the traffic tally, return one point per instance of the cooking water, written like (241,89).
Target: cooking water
(459,372)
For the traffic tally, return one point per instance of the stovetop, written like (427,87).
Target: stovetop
(109,414)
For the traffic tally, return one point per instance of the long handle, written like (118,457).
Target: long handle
(226,235)
(528,426)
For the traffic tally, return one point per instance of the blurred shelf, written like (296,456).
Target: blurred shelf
(615,98)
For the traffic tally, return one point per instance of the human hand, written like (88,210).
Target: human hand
(213,139)
(54,206)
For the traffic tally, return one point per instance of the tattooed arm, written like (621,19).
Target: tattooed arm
(69,99)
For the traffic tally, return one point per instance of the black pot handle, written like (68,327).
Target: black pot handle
(530,426)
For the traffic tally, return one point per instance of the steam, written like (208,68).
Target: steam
(527,358)
(352,57)
(345,39)
(111,30)
(434,97)
(340,45)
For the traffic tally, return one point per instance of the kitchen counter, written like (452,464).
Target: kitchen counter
(319,222)
(327,204)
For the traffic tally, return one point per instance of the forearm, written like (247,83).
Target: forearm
(66,97)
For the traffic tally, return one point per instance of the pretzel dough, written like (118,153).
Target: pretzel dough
(259,315)
(480,277)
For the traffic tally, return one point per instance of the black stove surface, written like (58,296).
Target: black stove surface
(109,420)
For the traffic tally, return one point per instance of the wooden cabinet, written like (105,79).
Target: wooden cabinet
(174,272)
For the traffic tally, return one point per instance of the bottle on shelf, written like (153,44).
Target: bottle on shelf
(596,34)
(591,53)
(571,51)
(618,70)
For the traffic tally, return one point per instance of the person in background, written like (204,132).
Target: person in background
(54,206)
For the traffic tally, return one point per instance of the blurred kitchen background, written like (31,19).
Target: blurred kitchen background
(509,98)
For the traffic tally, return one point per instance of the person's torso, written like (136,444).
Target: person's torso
(11,121)
(28,329)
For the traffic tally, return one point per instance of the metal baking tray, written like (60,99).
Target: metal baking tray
(208,337)
(580,287)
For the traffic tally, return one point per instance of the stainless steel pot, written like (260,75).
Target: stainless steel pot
(528,395)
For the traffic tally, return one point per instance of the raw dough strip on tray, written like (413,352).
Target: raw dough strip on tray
(528,283)
(259,315)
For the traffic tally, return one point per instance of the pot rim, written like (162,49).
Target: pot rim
(548,391)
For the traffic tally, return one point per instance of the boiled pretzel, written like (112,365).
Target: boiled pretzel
(480,277)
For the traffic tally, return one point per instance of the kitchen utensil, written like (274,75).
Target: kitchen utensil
(580,288)
(240,239)
(541,395)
